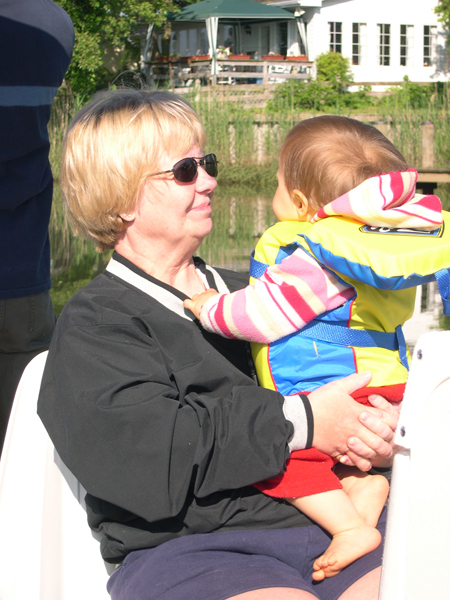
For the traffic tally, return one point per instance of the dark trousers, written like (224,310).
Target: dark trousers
(26,327)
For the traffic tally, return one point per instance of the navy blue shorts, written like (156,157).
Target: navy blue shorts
(216,566)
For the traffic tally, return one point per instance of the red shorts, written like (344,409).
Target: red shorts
(310,471)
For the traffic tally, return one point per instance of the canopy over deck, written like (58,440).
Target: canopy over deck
(211,11)
(230,9)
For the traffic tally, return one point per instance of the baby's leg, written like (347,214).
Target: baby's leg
(367,492)
(352,537)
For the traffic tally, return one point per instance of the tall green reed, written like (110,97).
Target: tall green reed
(241,137)
(74,260)
(405,114)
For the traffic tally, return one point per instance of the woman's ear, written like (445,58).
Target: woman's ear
(301,204)
(127,217)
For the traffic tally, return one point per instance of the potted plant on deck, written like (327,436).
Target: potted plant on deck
(272,56)
(223,52)
(297,58)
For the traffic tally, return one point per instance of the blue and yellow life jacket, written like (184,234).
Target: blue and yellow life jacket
(384,266)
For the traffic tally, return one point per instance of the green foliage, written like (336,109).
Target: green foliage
(102,25)
(299,95)
(406,108)
(326,93)
(296,94)
(413,95)
(335,69)
(443,10)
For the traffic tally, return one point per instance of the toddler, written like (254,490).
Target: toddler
(331,284)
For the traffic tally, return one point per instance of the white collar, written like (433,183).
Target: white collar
(158,292)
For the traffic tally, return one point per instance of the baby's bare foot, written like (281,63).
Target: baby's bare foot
(344,549)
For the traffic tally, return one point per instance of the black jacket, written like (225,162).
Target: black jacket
(159,420)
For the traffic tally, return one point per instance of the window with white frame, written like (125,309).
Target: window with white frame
(406,45)
(335,36)
(429,44)
(359,44)
(384,37)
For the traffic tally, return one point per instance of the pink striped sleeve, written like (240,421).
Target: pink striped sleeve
(285,299)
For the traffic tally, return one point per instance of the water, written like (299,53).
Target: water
(239,218)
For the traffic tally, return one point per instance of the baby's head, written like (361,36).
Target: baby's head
(327,156)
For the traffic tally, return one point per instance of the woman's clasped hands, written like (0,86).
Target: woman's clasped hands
(342,430)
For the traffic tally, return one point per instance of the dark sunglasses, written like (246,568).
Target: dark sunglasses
(185,170)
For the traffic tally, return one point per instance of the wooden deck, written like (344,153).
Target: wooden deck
(434,175)
(429,178)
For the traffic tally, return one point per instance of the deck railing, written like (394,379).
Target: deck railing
(186,71)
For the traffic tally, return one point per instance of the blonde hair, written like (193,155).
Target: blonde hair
(327,156)
(111,147)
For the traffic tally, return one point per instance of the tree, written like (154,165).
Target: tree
(443,10)
(334,68)
(102,24)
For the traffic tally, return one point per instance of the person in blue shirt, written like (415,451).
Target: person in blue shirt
(36,44)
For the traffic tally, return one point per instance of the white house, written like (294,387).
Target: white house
(384,40)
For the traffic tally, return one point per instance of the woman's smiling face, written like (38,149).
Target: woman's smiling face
(174,212)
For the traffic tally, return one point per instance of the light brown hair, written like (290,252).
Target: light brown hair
(111,147)
(327,156)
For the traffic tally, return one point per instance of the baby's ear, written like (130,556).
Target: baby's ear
(301,203)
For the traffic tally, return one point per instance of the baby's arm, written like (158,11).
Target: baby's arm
(287,297)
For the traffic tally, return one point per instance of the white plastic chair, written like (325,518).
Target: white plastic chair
(47,551)
(416,562)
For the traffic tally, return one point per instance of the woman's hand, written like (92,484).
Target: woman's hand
(341,427)
(197,301)
(389,410)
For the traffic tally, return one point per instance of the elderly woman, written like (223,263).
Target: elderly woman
(162,422)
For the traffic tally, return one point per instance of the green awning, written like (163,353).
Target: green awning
(230,9)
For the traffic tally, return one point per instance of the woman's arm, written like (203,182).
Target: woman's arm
(287,297)
(134,434)
(149,416)
(146,430)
